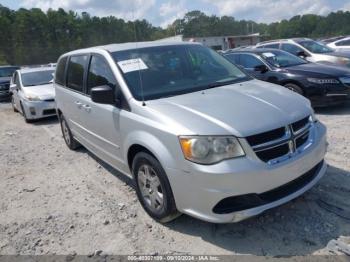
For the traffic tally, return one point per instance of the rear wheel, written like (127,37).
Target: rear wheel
(67,134)
(295,88)
(153,188)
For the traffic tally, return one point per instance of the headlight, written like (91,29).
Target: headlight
(322,81)
(31,97)
(313,117)
(344,61)
(210,149)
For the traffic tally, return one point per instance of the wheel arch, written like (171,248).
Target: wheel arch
(295,82)
(141,141)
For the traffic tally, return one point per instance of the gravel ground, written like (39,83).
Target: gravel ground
(56,201)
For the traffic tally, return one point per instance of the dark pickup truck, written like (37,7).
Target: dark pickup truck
(6,73)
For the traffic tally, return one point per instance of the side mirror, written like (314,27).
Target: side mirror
(261,68)
(12,87)
(103,95)
(302,54)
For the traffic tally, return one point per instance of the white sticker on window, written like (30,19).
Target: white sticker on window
(132,65)
(268,54)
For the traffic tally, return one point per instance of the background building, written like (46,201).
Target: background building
(219,42)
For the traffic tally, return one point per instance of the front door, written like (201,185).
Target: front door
(101,122)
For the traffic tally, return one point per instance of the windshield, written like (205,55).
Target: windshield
(37,78)
(7,71)
(172,70)
(281,59)
(315,47)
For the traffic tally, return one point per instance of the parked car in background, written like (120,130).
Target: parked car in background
(198,135)
(323,84)
(33,93)
(330,40)
(6,73)
(342,44)
(309,50)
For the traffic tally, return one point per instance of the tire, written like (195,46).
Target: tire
(153,188)
(295,88)
(25,116)
(13,105)
(67,134)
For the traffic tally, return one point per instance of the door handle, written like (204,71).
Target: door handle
(79,104)
(87,108)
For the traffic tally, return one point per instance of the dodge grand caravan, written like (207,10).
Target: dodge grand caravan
(196,134)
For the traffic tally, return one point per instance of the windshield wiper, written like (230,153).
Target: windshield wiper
(224,83)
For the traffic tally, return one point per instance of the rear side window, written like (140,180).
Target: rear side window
(343,43)
(100,74)
(249,61)
(234,58)
(293,49)
(75,74)
(60,71)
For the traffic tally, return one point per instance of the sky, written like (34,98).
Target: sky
(164,12)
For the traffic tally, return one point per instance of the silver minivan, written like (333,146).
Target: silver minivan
(197,135)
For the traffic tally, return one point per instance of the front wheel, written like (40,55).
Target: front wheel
(25,115)
(13,104)
(153,188)
(295,88)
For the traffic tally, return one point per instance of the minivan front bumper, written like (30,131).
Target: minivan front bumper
(200,189)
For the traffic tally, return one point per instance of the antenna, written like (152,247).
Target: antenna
(140,76)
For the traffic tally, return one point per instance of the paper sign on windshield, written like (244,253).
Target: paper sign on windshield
(268,54)
(132,65)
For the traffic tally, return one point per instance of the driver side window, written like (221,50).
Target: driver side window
(249,61)
(293,49)
(100,74)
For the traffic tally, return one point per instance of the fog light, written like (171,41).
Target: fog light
(32,111)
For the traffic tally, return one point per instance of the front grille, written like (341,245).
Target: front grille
(266,136)
(280,142)
(272,153)
(4,87)
(49,112)
(243,202)
(300,124)
(302,139)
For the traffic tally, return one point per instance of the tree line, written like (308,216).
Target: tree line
(35,37)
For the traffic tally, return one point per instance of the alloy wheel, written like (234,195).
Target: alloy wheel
(150,187)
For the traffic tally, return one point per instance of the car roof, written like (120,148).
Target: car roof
(128,46)
(36,69)
(296,39)
(253,51)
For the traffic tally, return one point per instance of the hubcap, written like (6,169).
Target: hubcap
(150,187)
(65,132)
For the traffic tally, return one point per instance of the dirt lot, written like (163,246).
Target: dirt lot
(56,201)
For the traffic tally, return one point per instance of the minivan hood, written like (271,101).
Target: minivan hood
(314,69)
(42,91)
(239,109)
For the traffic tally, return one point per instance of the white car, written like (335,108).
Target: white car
(342,44)
(33,93)
(309,50)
